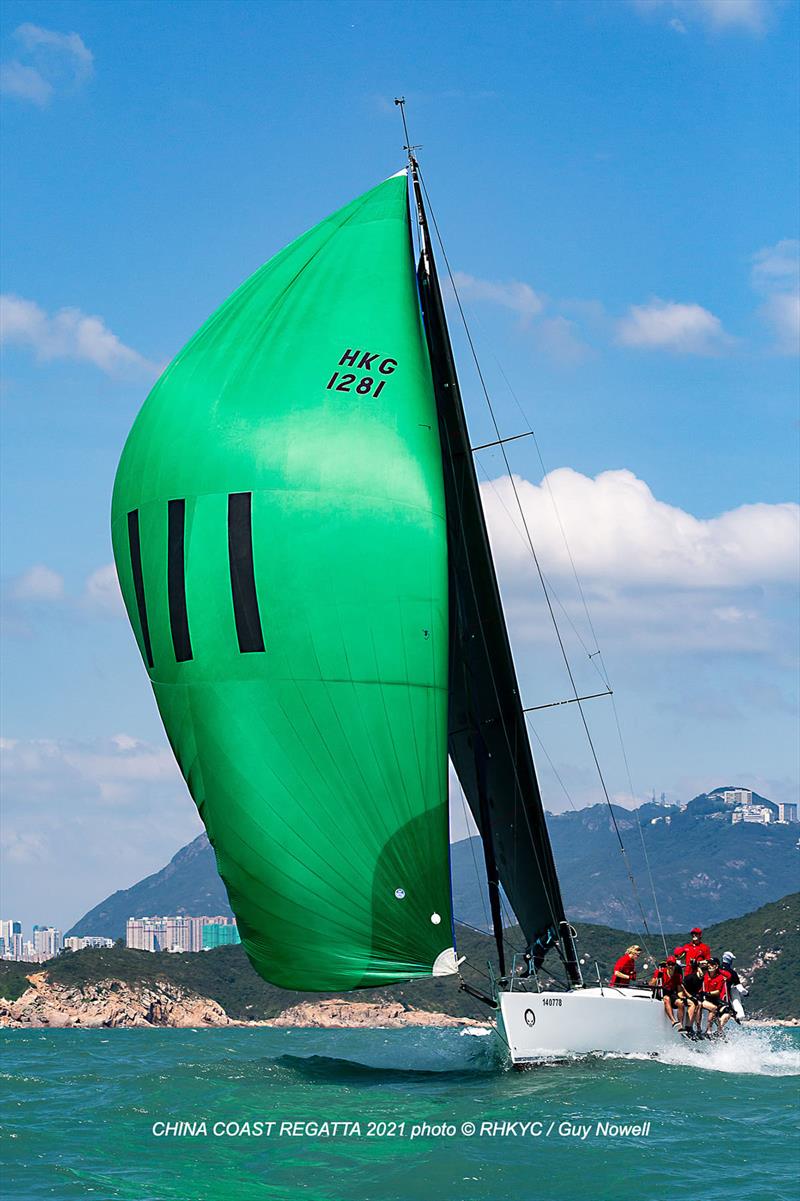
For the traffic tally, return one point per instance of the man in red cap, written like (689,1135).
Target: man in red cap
(694,950)
(667,979)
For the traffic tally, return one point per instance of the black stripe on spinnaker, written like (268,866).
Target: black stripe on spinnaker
(176,581)
(138,582)
(243,577)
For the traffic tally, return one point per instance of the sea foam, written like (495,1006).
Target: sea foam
(750,1051)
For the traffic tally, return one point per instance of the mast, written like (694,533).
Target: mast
(488,739)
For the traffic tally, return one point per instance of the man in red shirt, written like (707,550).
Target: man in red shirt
(715,995)
(694,949)
(667,980)
(624,972)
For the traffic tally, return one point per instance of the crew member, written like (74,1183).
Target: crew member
(736,990)
(666,979)
(624,972)
(690,995)
(715,995)
(694,949)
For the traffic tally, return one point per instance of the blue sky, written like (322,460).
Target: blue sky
(617,188)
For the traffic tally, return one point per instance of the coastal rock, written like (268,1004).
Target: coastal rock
(109,1003)
(113,1003)
(362,1013)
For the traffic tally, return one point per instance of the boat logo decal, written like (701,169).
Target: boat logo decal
(530,1017)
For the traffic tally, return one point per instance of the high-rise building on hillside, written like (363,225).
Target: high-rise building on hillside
(738,796)
(178,933)
(10,939)
(220,934)
(759,814)
(47,941)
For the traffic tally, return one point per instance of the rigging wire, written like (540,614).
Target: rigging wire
(553,767)
(499,932)
(546,481)
(510,917)
(533,846)
(474,857)
(639,825)
(567,665)
(573,806)
(591,655)
(597,654)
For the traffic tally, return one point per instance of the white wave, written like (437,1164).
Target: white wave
(743,1051)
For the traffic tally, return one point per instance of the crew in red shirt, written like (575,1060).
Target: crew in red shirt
(625,968)
(694,949)
(715,994)
(668,978)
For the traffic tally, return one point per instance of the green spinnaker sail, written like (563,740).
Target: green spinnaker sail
(279,533)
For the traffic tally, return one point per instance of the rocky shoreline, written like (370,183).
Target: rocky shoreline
(112,1003)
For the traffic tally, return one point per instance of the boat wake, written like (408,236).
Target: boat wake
(753,1051)
(437,1053)
(352,1071)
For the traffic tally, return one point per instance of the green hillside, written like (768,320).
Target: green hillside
(730,870)
(766,944)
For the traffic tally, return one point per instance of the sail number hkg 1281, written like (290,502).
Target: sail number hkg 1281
(365,385)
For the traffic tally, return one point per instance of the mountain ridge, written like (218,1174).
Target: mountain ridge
(715,871)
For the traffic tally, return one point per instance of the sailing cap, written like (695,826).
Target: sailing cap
(696,930)
(728,955)
(671,959)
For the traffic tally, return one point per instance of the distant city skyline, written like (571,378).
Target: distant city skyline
(172,933)
(180,932)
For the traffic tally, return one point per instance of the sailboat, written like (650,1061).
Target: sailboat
(303,555)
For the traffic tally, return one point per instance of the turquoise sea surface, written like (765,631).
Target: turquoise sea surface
(420,1115)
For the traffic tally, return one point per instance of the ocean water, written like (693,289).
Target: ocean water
(423,1115)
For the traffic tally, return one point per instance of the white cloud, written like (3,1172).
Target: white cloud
(112,809)
(559,337)
(22,849)
(777,265)
(776,276)
(667,325)
(48,62)
(620,533)
(105,771)
(519,297)
(100,597)
(782,314)
(655,576)
(102,593)
(68,334)
(25,83)
(38,583)
(751,16)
